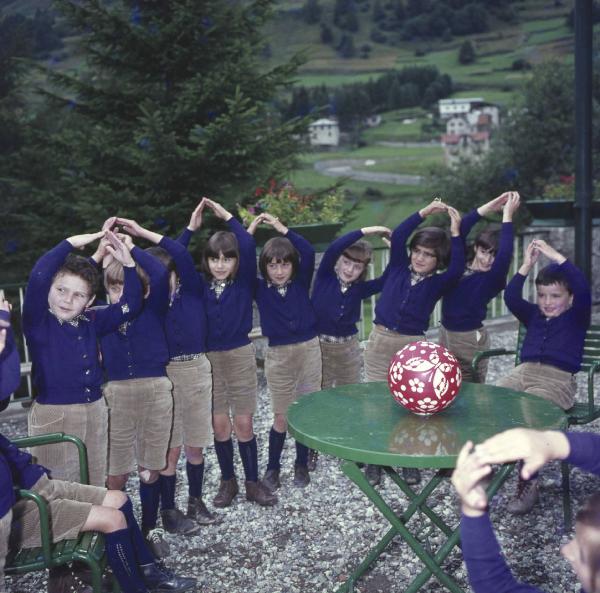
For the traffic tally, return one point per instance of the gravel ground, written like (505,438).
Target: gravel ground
(315,537)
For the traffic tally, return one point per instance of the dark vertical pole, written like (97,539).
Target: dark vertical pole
(583,135)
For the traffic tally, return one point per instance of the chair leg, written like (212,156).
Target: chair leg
(566,488)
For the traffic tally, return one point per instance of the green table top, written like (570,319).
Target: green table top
(363,423)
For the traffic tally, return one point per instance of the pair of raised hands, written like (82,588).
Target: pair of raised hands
(113,244)
(438,206)
(534,447)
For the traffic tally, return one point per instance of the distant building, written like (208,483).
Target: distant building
(324,132)
(469,126)
(372,121)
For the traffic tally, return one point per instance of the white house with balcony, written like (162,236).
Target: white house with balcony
(324,132)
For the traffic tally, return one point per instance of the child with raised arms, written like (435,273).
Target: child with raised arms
(72,508)
(138,390)
(338,291)
(229,275)
(189,371)
(288,320)
(552,350)
(464,307)
(62,334)
(412,287)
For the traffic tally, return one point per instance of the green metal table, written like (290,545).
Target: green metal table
(363,424)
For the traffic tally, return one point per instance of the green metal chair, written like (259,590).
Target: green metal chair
(581,413)
(87,548)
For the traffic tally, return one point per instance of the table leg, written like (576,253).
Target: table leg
(417,502)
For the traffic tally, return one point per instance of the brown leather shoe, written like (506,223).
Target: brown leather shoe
(228,490)
(257,492)
(197,511)
(271,480)
(301,476)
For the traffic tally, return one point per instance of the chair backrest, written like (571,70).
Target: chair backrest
(591,346)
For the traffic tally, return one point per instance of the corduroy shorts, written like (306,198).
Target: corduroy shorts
(89,422)
(69,505)
(544,380)
(234,380)
(140,420)
(192,402)
(341,363)
(464,345)
(291,371)
(381,347)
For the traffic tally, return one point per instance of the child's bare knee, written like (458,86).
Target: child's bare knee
(115,499)
(148,476)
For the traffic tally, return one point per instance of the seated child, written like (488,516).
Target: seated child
(139,392)
(72,507)
(62,334)
(228,278)
(287,318)
(485,564)
(410,291)
(553,346)
(189,371)
(464,307)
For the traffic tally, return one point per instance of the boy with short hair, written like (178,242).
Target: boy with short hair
(552,350)
(138,391)
(72,507)
(62,334)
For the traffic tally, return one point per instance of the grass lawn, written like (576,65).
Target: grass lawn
(393,128)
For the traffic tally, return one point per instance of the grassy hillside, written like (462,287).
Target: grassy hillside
(539,33)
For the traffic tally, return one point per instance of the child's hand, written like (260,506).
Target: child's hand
(529,258)
(511,206)
(386,242)
(109,223)
(118,249)
(494,205)
(534,447)
(376,230)
(455,218)
(80,241)
(126,239)
(274,222)
(466,480)
(131,226)
(219,211)
(435,206)
(549,251)
(196,217)
(254,224)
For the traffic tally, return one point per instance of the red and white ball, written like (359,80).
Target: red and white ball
(424,377)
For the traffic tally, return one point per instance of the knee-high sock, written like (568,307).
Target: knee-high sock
(167,492)
(142,553)
(249,456)
(276,441)
(224,450)
(150,499)
(301,454)
(121,558)
(195,476)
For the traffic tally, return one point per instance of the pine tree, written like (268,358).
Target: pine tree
(174,104)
